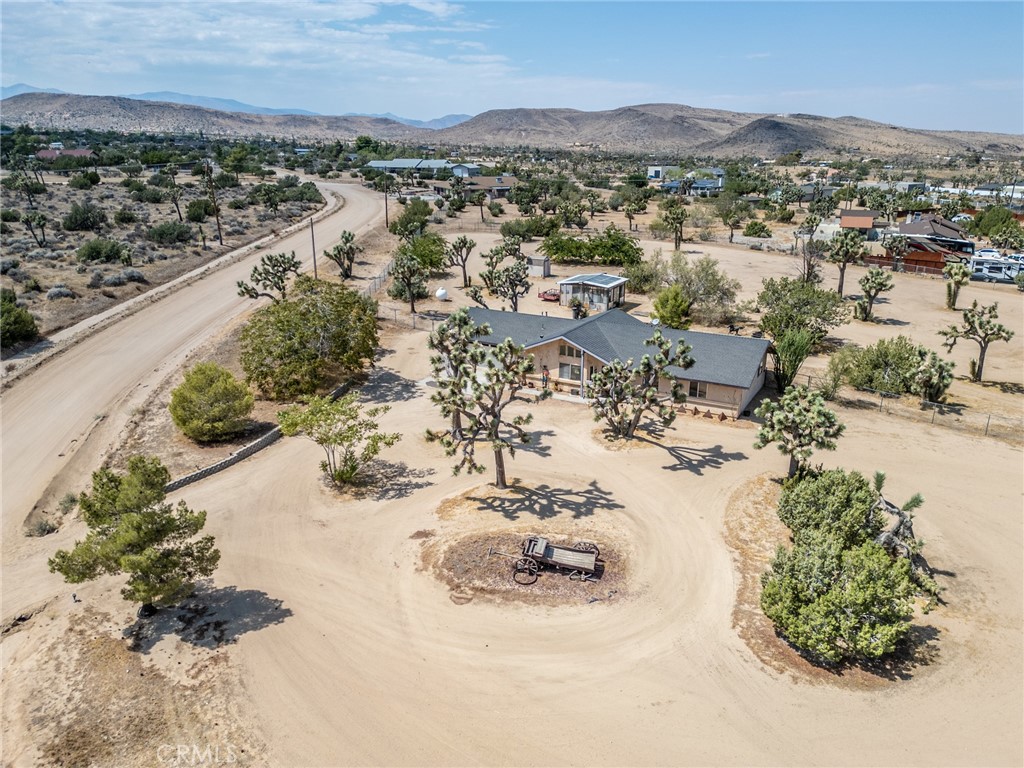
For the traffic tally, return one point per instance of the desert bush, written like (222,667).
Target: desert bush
(646,277)
(6,265)
(59,291)
(756,229)
(114,281)
(124,216)
(496,209)
(10,215)
(528,228)
(887,366)
(169,233)
(151,195)
(86,180)
(133,275)
(84,218)
(198,210)
(6,229)
(67,503)
(95,279)
(705,235)
(160,180)
(101,249)
(238,204)
(16,323)
(211,404)
(224,180)
(133,185)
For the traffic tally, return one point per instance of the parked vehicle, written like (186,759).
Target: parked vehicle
(995,270)
(988,253)
(551,294)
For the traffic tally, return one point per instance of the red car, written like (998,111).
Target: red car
(551,294)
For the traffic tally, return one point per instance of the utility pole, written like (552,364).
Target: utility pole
(313,238)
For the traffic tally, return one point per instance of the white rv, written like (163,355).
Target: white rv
(994,270)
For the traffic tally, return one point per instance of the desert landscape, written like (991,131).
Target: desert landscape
(370,627)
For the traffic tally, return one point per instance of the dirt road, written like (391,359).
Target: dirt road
(74,406)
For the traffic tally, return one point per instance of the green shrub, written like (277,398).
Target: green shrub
(224,180)
(83,218)
(124,216)
(133,185)
(9,215)
(84,180)
(646,276)
(150,195)
(210,404)
(160,180)
(672,309)
(102,250)
(889,365)
(756,229)
(238,204)
(530,227)
(169,233)
(496,209)
(198,210)
(16,323)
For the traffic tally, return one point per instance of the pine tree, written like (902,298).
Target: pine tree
(133,531)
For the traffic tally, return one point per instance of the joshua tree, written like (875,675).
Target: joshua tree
(958,275)
(874,282)
(457,254)
(847,247)
(799,423)
(980,326)
(36,220)
(270,274)
(344,253)
(675,217)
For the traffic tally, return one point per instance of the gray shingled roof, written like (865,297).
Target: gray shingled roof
(718,358)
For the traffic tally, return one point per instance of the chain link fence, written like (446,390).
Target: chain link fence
(1005,426)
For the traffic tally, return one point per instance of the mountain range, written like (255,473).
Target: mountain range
(668,130)
(230,105)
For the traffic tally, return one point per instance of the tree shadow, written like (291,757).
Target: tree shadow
(381,353)
(1006,387)
(386,386)
(211,617)
(545,502)
(889,321)
(389,480)
(696,460)
(536,446)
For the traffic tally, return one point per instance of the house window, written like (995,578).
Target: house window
(565,350)
(568,371)
(698,389)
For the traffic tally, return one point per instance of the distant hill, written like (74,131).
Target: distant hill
(438,122)
(663,130)
(117,113)
(210,102)
(19,88)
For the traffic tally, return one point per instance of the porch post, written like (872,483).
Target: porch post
(583,372)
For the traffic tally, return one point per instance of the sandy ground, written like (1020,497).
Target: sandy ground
(335,637)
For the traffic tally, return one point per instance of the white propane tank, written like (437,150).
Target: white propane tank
(441,294)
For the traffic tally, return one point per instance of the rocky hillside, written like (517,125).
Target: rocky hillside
(661,129)
(114,113)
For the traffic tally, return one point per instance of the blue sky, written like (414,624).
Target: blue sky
(956,65)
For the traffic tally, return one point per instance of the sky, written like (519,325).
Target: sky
(934,65)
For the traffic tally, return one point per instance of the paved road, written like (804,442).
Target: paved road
(63,415)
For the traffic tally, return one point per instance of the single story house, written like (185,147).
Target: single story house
(494,186)
(942,231)
(657,172)
(727,374)
(418,165)
(597,292)
(860,220)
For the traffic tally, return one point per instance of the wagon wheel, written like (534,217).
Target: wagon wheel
(587,546)
(526,571)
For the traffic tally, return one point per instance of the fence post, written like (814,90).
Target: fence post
(881,401)
(987,422)
(934,411)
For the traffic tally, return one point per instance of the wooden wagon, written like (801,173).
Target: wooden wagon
(580,561)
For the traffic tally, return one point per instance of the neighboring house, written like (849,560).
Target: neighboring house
(861,220)
(943,232)
(495,186)
(417,165)
(913,187)
(706,187)
(53,154)
(810,192)
(727,374)
(598,292)
(658,172)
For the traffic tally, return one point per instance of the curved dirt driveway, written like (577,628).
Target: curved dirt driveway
(74,405)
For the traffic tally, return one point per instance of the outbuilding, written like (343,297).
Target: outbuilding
(596,292)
